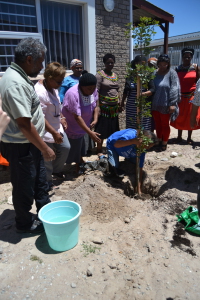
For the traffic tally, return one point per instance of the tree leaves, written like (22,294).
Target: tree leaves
(142,35)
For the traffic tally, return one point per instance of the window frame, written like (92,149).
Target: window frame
(89,31)
(20,35)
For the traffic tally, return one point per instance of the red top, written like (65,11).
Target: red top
(188,85)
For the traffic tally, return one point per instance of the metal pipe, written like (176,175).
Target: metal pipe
(131,40)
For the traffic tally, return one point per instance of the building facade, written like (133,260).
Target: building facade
(70,29)
(110,35)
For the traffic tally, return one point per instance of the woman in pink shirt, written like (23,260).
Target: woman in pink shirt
(79,108)
(55,122)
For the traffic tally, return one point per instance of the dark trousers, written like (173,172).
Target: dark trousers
(28,178)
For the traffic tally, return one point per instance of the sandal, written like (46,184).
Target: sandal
(190,142)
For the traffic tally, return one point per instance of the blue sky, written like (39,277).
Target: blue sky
(186,16)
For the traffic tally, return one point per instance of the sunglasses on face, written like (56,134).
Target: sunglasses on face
(58,82)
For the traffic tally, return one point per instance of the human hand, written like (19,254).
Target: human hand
(48,154)
(64,123)
(4,120)
(92,125)
(172,109)
(58,138)
(138,141)
(95,136)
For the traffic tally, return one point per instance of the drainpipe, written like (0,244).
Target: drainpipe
(131,40)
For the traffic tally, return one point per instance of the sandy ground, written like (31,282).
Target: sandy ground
(142,252)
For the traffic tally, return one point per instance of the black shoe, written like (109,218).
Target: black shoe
(119,173)
(115,171)
(59,175)
(37,227)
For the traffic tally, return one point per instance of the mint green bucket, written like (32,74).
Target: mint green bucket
(61,224)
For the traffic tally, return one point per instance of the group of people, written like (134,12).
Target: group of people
(171,95)
(55,121)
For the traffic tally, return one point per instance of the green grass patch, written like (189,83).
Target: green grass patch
(88,248)
(36,258)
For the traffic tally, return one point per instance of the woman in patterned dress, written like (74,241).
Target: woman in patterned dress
(108,87)
(130,90)
(188,74)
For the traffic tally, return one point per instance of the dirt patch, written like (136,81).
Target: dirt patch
(144,253)
(181,242)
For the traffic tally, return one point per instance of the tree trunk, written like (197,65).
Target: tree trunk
(137,182)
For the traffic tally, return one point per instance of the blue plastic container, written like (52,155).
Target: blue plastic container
(61,224)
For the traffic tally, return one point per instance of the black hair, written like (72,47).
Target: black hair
(187,50)
(87,79)
(84,72)
(107,56)
(164,58)
(138,59)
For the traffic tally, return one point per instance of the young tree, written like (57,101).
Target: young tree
(142,35)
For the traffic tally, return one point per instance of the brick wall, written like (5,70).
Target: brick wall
(110,37)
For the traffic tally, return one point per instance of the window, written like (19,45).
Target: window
(62,31)
(7,47)
(60,24)
(18,15)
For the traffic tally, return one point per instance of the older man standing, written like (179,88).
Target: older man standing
(22,143)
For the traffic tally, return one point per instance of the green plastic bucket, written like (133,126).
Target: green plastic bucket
(61,224)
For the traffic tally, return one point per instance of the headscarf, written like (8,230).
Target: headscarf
(75,62)
(187,50)
(153,61)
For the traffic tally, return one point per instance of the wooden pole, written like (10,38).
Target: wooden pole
(166,37)
(165,29)
(137,182)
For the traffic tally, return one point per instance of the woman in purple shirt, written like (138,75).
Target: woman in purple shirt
(80,108)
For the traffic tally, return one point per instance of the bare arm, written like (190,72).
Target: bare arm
(147,93)
(30,132)
(123,100)
(94,135)
(193,115)
(4,120)
(121,143)
(63,121)
(96,115)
